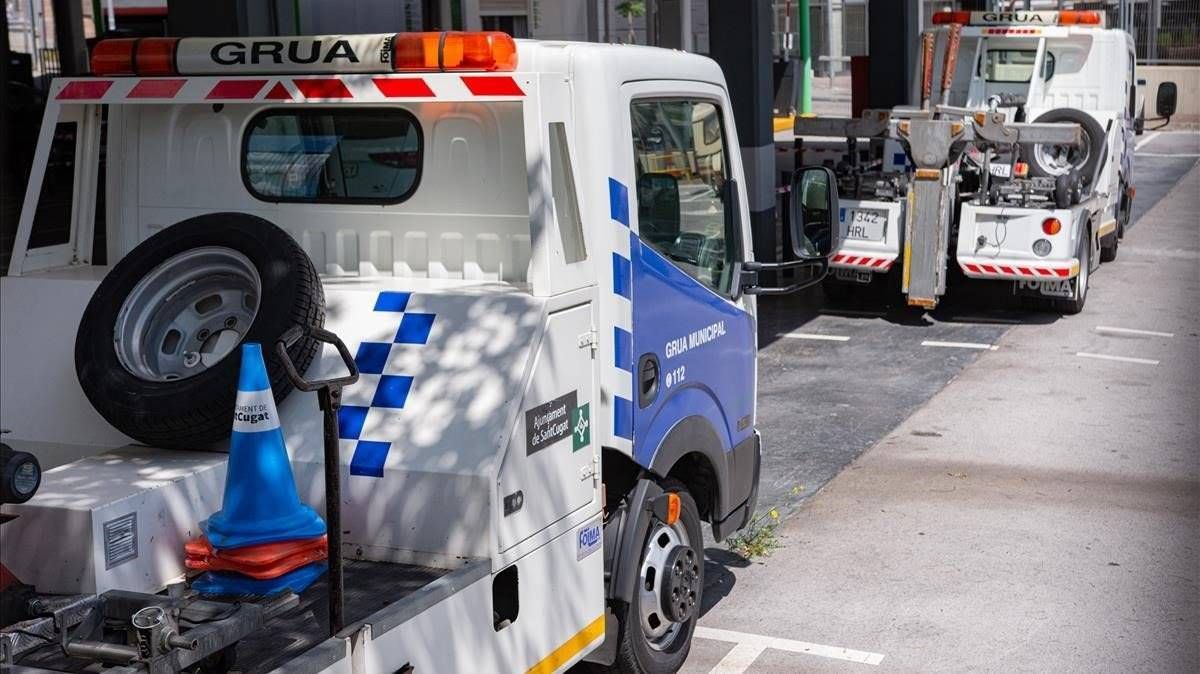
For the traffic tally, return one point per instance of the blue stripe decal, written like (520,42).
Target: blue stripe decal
(623,418)
(372,357)
(623,348)
(622,277)
(392,301)
(350,421)
(414,329)
(618,202)
(369,457)
(392,391)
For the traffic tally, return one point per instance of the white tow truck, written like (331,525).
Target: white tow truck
(536,255)
(1021,170)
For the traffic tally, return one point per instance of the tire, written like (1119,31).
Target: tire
(636,654)
(1108,250)
(171,396)
(1041,158)
(1075,304)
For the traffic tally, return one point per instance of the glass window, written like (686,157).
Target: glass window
(681,168)
(566,205)
(52,219)
(324,155)
(1014,65)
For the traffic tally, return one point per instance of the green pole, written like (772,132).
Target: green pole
(804,105)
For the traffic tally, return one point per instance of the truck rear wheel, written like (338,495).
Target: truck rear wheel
(655,633)
(1075,304)
(152,348)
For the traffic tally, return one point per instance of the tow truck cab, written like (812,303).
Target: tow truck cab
(537,252)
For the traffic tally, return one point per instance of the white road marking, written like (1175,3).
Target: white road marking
(854,312)
(961,345)
(815,337)
(1145,139)
(1122,359)
(738,659)
(1189,155)
(1131,331)
(789,645)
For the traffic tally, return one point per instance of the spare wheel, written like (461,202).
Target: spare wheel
(156,351)
(1049,160)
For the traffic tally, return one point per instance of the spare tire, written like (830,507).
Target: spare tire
(1051,161)
(153,351)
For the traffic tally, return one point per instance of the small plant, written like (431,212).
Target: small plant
(630,9)
(758,538)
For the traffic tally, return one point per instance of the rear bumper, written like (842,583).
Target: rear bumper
(1017,269)
(997,242)
(875,256)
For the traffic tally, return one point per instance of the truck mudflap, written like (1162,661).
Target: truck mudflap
(870,239)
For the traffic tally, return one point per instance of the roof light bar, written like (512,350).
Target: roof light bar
(1048,18)
(479,51)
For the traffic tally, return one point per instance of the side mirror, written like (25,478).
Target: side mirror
(814,213)
(1166,100)
(815,232)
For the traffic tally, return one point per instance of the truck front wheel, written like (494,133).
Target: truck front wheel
(656,627)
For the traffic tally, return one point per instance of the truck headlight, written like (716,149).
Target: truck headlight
(1041,247)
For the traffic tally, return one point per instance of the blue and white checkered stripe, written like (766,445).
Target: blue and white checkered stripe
(382,388)
(617,377)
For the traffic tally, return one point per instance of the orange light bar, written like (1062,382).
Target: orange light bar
(113,57)
(485,51)
(155,56)
(944,18)
(135,56)
(1078,18)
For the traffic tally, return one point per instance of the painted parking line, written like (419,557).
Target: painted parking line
(1182,155)
(1122,359)
(760,642)
(815,337)
(738,659)
(853,312)
(1145,139)
(960,345)
(1131,331)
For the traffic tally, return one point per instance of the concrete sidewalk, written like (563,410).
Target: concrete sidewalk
(1041,513)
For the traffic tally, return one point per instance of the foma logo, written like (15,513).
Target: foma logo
(589,538)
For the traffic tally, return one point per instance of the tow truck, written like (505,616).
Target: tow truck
(1019,168)
(536,256)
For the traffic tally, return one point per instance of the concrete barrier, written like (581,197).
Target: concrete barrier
(1187,78)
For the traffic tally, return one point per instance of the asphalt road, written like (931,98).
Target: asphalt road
(1022,508)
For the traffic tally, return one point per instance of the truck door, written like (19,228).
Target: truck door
(694,341)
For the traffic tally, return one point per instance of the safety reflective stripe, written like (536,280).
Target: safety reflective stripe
(339,88)
(156,88)
(84,90)
(325,87)
(402,87)
(236,89)
(1027,271)
(570,648)
(862,261)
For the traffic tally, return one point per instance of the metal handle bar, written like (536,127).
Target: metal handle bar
(294,333)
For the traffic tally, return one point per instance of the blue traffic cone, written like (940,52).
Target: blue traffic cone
(260,504)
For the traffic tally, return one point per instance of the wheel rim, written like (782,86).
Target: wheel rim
(1081,283)
(658,560)
(187,314)
(1058,160)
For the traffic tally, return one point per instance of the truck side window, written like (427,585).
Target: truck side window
(681,166)
(566,204)
(333,155)
(52,219)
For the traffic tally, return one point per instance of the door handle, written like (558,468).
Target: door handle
(647,379)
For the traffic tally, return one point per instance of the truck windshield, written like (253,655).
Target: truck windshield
(1013,65)
(333,155)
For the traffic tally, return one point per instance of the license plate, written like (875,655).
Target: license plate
(865,225)
(1063,288)
(1000,170)
(852,275)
